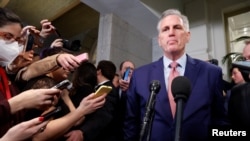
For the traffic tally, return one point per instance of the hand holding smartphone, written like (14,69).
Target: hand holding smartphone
(37,39)
(29,43)
(52,113)
(65,84)
(83,57)
(102,90)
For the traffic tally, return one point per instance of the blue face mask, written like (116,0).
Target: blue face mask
(9,51)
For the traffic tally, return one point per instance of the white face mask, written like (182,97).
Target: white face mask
(8,52)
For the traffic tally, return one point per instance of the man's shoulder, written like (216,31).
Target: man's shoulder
(149,66)
(204,64)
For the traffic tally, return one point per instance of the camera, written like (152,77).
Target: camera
(72,46)
(244,67)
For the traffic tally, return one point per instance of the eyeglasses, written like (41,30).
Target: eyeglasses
(9,38)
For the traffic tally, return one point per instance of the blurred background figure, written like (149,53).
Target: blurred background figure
(124,84)
(101,124)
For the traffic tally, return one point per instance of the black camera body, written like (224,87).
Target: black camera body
(72,46)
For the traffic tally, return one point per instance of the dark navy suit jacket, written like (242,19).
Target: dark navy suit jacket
(203,109)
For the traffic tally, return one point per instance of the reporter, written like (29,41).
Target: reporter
(12,103)
(25,130)
(24,57)
(124,84)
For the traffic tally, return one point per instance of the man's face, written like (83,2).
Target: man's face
(125,66)
(172,36)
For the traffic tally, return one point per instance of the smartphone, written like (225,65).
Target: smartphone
(38,40)
(29,43)
(102,90)
(65,84)
(83,56)
(52,113)
(126,74)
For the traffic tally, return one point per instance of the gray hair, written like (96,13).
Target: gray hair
(177,13)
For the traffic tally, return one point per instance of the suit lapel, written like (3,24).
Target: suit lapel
(191,72)
(162,103)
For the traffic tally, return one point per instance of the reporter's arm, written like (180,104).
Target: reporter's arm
(24,130)
(38,68)
(67,61)
(58,127)
(34,98)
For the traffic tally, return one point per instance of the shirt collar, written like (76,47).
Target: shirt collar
(181,61)
(102,82)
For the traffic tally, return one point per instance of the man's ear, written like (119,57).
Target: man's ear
(188,36)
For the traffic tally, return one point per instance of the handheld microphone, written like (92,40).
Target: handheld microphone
(154,89)
(181,89)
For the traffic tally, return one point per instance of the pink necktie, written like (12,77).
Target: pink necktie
(172,75)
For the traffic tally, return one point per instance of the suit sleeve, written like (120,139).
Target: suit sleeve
(218,109)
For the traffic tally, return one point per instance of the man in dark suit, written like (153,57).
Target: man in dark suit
(239,106)
(124,80)
(101,125)
(204,107)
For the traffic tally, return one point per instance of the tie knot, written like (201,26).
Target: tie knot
(173,65)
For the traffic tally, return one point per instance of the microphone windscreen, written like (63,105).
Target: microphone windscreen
(155,86)
(181,87)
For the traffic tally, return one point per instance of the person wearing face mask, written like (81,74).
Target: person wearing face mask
(60,61)
(12,102)
(9,51)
